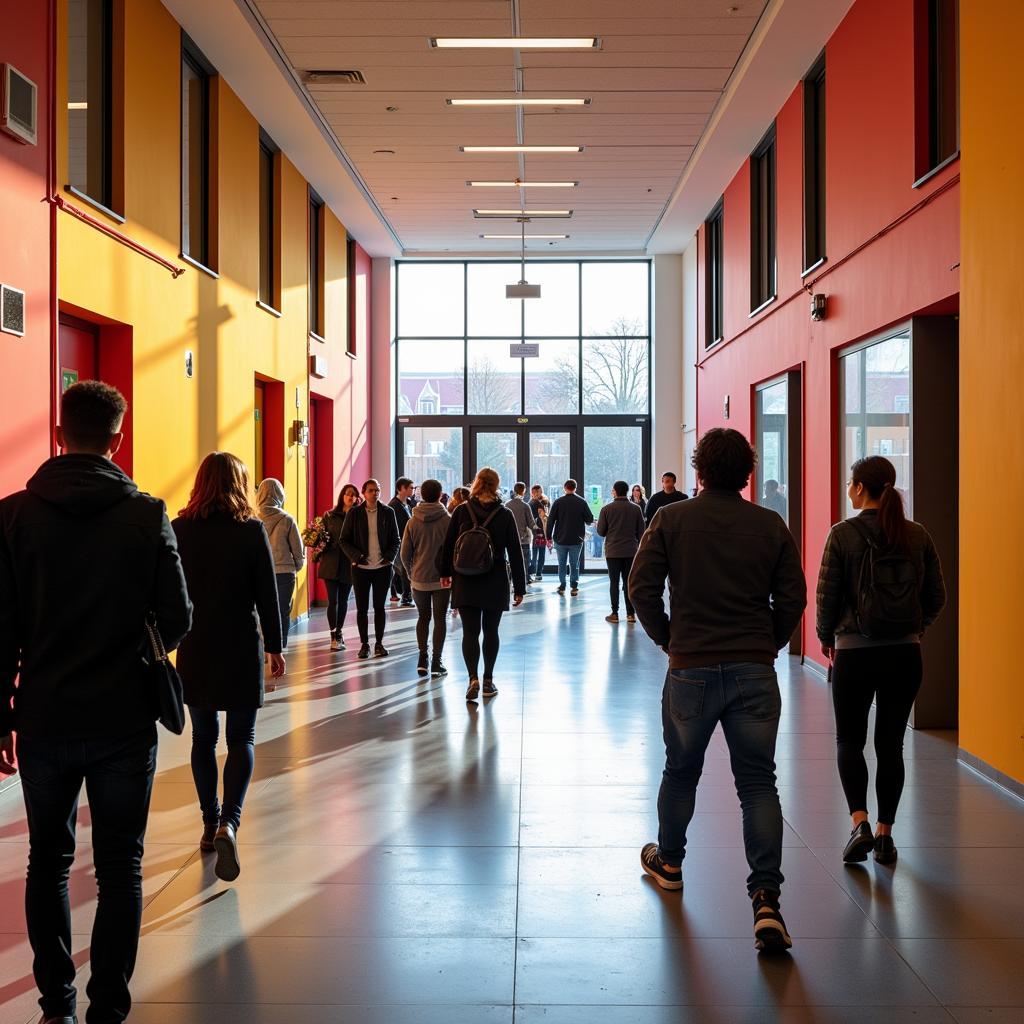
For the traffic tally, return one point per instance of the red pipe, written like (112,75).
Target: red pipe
(51,188)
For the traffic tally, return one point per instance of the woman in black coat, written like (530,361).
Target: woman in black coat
(483,599)
(230,575)
(334,568)
(372,554)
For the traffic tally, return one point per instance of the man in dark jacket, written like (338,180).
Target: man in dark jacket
(84,555)
(403,504)
(621,523)
(668,495)
(736,593)
(567,528)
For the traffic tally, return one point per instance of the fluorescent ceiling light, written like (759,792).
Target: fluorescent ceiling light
(518,101)
(523,184)
(521,149)
(78,105)
(528,237)
(522,213)
(516,43)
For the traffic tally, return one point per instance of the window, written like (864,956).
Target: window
(762,222)
(714,274)
(315,288)
(268,223)
(430,372)
(90,99)
(196,240)
(814,164)
(943,81)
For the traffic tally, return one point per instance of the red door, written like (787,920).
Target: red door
(79,348)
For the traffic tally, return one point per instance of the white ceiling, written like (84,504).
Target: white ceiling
(654,83)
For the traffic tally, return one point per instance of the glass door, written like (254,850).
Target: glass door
(499,449)
(551,459)
(610,453)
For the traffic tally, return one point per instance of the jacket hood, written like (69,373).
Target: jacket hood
(429,511)
(270,495)
(82,485)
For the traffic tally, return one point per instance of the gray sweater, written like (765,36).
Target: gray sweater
(282,530)
(621,523)
(526,524)
(422,541)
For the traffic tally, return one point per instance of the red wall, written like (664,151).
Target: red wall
(911,268)
(24,257)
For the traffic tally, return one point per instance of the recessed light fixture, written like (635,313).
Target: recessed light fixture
(528,237)
(383,152)
(518,101)
(516,43)
(524,214)
(78,105)
(523,184)
(521,149)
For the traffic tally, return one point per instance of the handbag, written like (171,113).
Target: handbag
(168,691)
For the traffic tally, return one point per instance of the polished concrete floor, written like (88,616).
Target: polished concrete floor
(408,858)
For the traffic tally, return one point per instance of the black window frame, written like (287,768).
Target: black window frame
(814,165)
(267,287)
(763,209)
(315,264)
(714,276)
(943,32)
(193,59)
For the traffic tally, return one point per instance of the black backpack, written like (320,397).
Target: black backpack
(474,549)
(888,598)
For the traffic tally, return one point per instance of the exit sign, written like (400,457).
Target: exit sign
(529,351)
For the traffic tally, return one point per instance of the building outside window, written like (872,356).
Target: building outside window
(90,99)
(762,222)
(195,155)
(268,222)
(315,287)
(714,270)
(814,164)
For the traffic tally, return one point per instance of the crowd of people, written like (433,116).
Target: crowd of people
(87,560)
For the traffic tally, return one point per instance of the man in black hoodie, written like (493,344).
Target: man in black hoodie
(84,556)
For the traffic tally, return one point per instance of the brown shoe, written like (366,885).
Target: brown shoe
(206,843)
(227,868)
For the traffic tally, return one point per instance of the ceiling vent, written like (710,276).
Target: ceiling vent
(319,76)
(12,310)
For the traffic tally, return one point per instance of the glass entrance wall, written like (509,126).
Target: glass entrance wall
(610,453)
(772,443)
(550,460)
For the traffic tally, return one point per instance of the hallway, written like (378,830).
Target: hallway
(406,857)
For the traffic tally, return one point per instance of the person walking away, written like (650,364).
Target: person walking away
(736,593)
(285,545)
(481,550)
(879,588)
(402,504)
(459,495)
(229,568)
(666,496)
(639,497)
(773,498)
(567,526)
(421,545)
(621,523)
(334,567)
(369,539)
(84,556)
(526,522)
(540,504)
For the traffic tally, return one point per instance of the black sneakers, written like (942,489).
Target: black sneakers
(437,668)
(473,690)
(885,850)
(859,845)
(490,690)
(364,651)
(770,935)
(651,862)
(380,651)
(421,665)
(206,840)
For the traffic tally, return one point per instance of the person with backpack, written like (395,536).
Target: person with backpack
(285,543)
(567,527)
(482,534)
(334,567)
(880,587)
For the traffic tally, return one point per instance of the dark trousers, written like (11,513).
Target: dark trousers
(285,591)
(337,604)
(118,777)
(432,604)
(744,697)
(619,568)
(366,582)
(891,676)
(401,585)
(536,564)
(241,737)
(473,621)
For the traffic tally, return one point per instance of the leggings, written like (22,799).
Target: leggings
(363,582)
(473,620)
(241,735)
(337,604)
(431,604)
(891,675)
(285,591)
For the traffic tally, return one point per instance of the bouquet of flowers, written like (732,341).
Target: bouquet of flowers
(316,538)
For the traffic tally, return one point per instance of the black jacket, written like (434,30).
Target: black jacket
(489,591)
(355,534)
(621,523)
(660,500)
(568,519)
(334,563)
(840,570)
(403,513)
(736,587)
(84,555)
(230,573)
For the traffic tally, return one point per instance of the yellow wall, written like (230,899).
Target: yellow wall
(991,381)
(177,420)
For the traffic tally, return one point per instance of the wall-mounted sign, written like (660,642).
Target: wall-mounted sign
(67,378)
(190,364)
(531,350)
(522,419)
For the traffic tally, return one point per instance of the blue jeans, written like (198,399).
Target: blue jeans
(241,736)
(118,777)
(569,553)
(537,559)
(745,698)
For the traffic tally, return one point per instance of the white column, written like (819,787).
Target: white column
(667,370)
(382,373)
(689,367)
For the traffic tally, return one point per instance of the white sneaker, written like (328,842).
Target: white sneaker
(337,644)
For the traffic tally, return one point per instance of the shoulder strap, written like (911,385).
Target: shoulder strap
(863,530)
(472,513)
(487,521)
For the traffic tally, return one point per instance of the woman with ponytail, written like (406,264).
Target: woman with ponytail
(880,587)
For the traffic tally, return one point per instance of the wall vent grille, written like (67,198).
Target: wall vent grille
(12,310)
(322,76)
